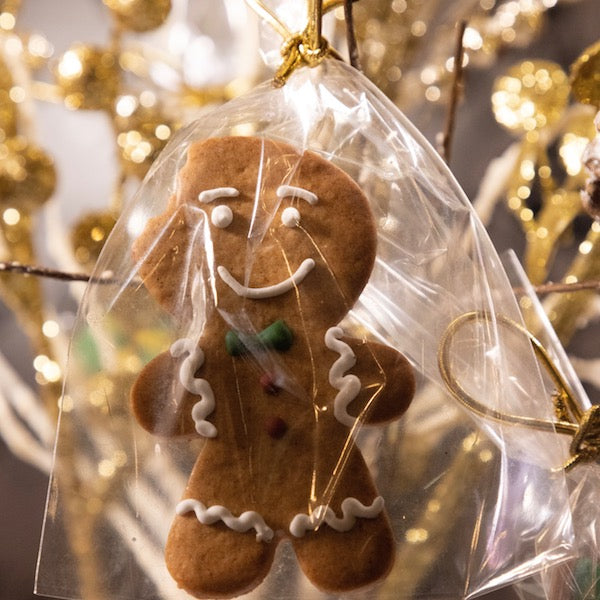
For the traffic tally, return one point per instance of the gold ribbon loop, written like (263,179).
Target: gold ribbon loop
(296,52)
(584,426)
(307,48)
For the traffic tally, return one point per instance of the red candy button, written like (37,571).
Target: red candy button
(268,385)
(276,427)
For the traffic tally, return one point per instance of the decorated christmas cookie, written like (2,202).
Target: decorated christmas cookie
(260,254)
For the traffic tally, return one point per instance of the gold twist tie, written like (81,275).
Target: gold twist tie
(583,426)
(307,48)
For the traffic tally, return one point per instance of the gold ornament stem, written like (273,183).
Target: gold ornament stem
(332,4)
(314,26)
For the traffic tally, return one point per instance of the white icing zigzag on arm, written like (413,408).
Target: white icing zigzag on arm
(195,385)
(247,520)
(351,510)
(348,385)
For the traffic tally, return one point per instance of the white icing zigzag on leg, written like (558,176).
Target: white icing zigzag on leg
(348,385)
(247,520)
(351,509)
(195,385)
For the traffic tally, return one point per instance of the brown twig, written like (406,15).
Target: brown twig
(564,288)
(455,91)
(351,35)
(16,267)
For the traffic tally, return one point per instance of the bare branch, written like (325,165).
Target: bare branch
(455,91)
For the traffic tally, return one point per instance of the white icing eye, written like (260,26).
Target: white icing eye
(221,216)
(290,217)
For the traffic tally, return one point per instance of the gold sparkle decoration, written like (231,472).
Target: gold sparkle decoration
(544,191)
(142,132)
(407,50)
(27,174)
(566,311)
(8,110)
(585,76)
(574,141)
(89,235)
(140,15)
(88,77)
(529,100)
(530,96)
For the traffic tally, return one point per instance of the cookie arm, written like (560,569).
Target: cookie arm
(159,402)
(387,382)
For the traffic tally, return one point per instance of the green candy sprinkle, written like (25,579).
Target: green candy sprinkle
(277,336)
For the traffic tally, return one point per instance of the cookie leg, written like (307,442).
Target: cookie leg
(211,561)
(339,562)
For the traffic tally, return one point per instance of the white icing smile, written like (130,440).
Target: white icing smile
(269,291)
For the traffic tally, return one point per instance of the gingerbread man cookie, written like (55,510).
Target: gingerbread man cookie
(259,255)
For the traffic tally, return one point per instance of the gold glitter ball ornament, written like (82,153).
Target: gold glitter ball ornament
(530,96)
(88,77)
(27,174)
(143,131)
(585,76)
(88,236)
(140,15)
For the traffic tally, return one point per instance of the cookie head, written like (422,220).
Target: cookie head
(290,234)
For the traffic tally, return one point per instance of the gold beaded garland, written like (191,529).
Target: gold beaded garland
(27,174)
(140,15)
(88,77)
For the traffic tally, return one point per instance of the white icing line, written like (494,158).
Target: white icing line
(351,510)
(214,194)
(348,385)
(283,191)
(247,520)
(195,385)
(271,290)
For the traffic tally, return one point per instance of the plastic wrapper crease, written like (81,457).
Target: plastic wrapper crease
(281,258)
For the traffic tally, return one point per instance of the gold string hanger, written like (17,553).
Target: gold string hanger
(305,48)
(583,426)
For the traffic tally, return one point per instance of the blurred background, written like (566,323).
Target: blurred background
(90,91)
